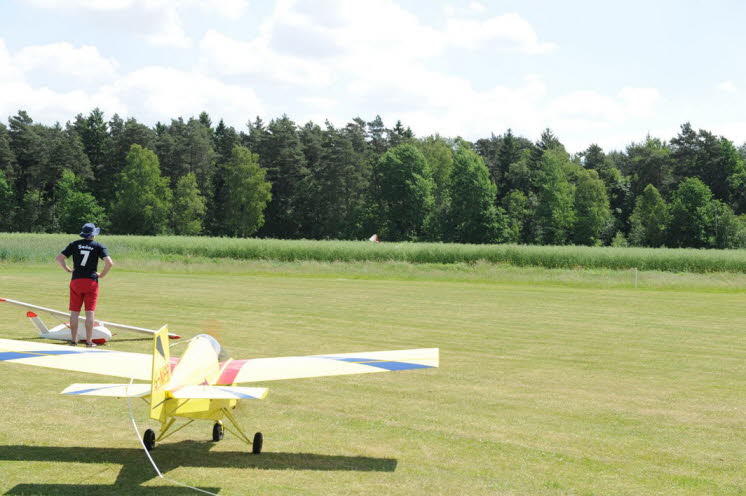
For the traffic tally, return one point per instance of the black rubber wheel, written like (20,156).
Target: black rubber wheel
(217,432)
(148,439)
(256,445)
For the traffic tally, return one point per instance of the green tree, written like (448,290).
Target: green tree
(556,212)
(403,190)
(438,153)
(143,202)
(124,134)
(728,230)
(649,220)
(189,206)
(334,193)
(472,216)
(650,163)
(7,204)
(692,215)
(94,135)
(281,154)
(74,207)
(592,211)
(7,157)
(708,157)
(186,147)
(30,217)
(247,193)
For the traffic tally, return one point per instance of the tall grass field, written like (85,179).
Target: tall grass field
(38,247)
(552,381)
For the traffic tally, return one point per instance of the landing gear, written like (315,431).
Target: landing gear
(148,439)
(217,432)
(256,445)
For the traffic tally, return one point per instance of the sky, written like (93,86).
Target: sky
(594,72)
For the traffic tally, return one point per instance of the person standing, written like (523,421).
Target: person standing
(84,284)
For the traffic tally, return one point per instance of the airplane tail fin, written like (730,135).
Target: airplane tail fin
(161,373)
(37,323)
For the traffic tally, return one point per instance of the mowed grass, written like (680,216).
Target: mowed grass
(552,383)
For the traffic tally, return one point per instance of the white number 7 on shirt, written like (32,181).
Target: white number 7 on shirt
(85,254)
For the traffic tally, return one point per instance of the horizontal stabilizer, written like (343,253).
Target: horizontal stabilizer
(220,393)
(115,390)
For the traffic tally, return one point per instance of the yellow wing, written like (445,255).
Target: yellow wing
(271,369)
(78,359)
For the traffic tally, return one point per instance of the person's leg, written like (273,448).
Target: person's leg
(91,299)
(74,319)
(88,326)
(76,302)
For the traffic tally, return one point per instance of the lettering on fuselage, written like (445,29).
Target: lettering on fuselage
(163,376)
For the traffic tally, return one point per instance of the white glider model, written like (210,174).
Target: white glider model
(101,332)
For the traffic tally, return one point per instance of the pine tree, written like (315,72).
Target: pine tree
(7,204)
(282,157)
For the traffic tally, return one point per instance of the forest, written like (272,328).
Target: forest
(290,181)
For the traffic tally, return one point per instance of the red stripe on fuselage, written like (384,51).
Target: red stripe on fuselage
(229,372)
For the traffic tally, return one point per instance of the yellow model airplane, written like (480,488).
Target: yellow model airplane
(201,385)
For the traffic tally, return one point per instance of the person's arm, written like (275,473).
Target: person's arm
(62,261)
(108,264)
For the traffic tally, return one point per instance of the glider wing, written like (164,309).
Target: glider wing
(90,360)
(271,369)
(113,325)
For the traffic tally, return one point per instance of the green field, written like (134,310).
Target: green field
(552,382)
(25,247)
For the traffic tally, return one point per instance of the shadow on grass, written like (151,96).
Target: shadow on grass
(136,470)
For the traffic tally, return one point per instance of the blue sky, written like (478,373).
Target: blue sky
(604,72)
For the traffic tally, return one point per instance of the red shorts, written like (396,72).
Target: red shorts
(83,290)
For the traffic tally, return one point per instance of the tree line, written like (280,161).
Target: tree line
(284,180)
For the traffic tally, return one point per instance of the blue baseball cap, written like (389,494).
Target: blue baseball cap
(89,230)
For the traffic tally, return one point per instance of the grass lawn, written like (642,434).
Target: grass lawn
(551,382)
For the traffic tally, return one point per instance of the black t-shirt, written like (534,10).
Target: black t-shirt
(85,253)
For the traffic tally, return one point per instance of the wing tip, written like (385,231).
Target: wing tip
(2,299)
(174,336)
(31,315)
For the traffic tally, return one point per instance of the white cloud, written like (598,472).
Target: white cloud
(506,32)
(63,58)
(727,86)
(158,21)
(149,94)
(161,93)
(477,7)
(227,56)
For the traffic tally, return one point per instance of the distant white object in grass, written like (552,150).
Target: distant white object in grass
(374,238)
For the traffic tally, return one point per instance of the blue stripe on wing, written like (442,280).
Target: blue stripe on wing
(242,396)
(84,391)
(381,364)
(16,355)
